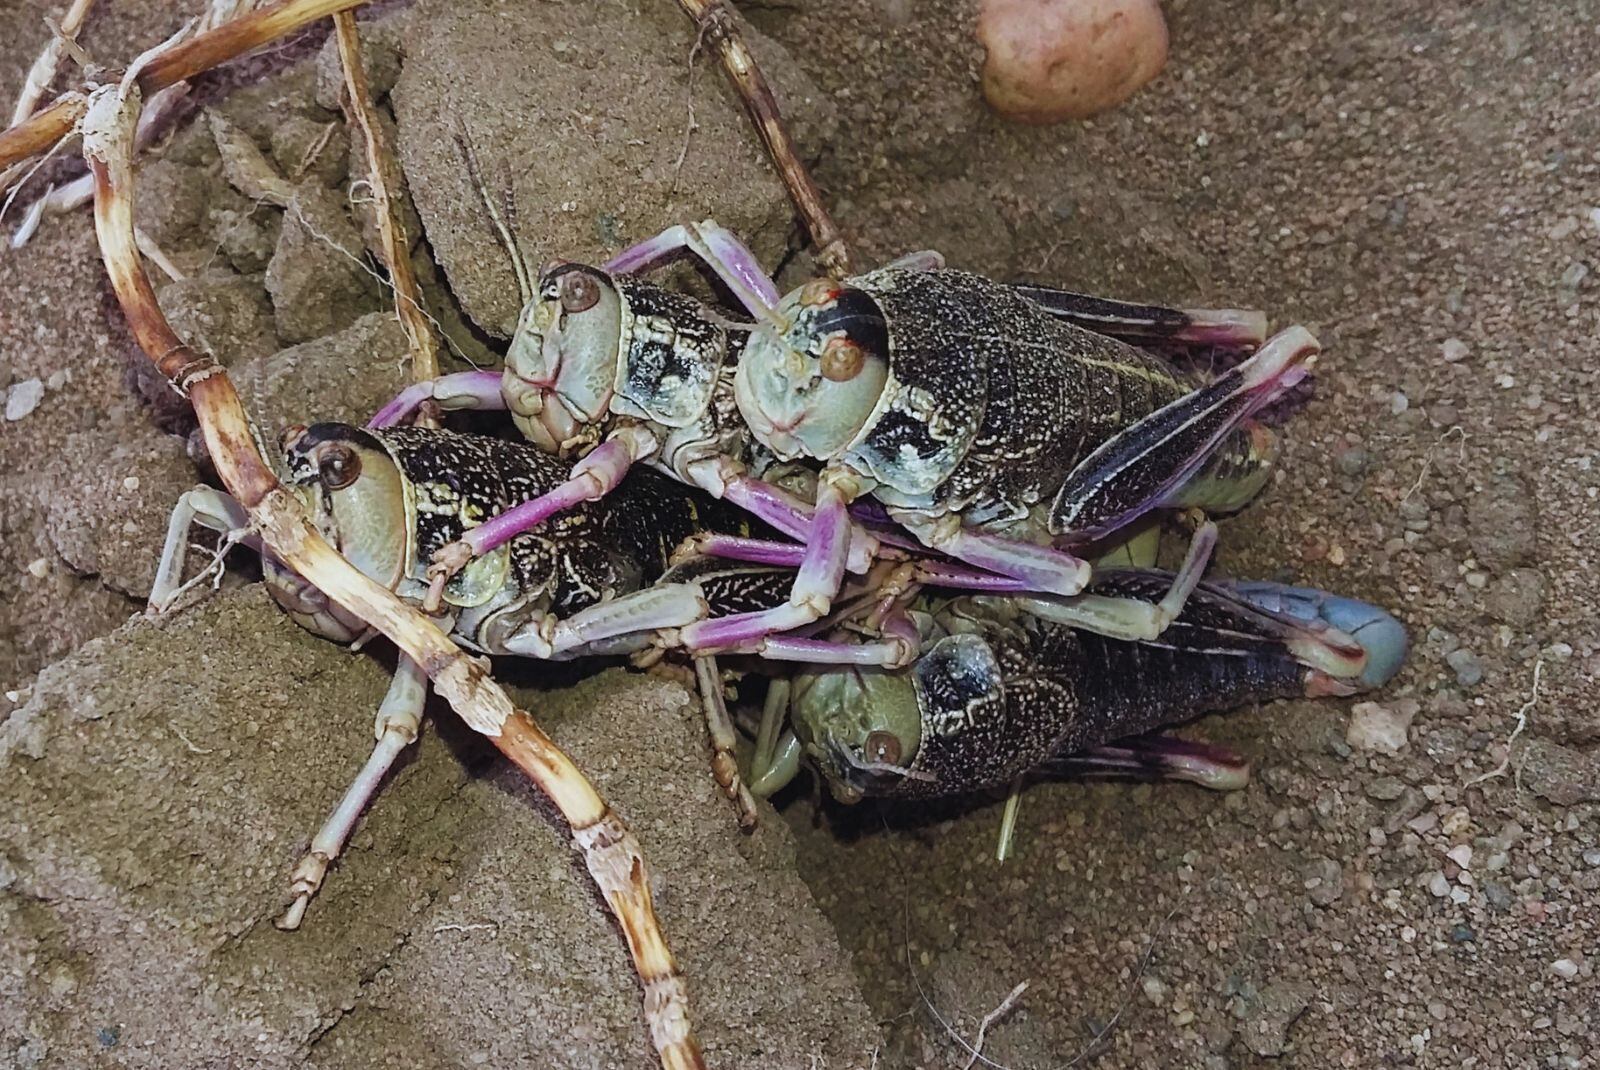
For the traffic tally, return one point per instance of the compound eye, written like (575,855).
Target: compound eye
(289,436)
(338,466)
(842,360)
(882,748)
(579,291)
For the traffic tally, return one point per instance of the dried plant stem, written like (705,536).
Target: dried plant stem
(391,232)
(43,71)
(719,29)
(171,65)
(610,851)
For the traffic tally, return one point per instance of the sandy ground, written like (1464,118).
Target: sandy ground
(1415,182)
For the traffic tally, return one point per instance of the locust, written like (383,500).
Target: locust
(587,583)
(993,423)
(1000,693)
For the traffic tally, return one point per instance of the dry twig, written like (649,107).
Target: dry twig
(43,71)
(392,234)
(717,26)
(991,1018)
(610,851)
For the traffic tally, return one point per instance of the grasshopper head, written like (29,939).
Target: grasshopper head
(356,496)
(809,389)
(563,358)
(861,727)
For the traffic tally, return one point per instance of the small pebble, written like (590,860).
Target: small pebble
(39,568)
(1380,728)
(1461,855)
(1499,895)
(1386,788)
(1423,823)
(1565,968)
(1438,885)
(24,398)
(1324,882)
(1454,350)
(1463,934)
(1154,990)
(1351,460)
(1468,669)
(1591,857)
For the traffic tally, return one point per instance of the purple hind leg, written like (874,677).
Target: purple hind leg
(1041,569)
(594,477)
(1145,466)
(822,572)
(1160,757)
(723,253)
(931,572)
(1230,328)
(460,390)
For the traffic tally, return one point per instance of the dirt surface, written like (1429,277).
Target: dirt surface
(1415,182)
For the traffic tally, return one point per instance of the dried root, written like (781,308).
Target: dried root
(110,118)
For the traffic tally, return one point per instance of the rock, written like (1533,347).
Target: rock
(1453,351)
(1267,1017)
(171,201)
(223,314)
(1351,459)
(1446,743)
(248,237)
(1385,788)
(303,148)
(1517,598)
(108,507)
(346,376)
(381,43)
(23,398)
(1324,882)
(1068,59)
(577,119)
(460,925)
(318,278)
(1380,728)
(1467,667)
(1565,969)
(1563,775)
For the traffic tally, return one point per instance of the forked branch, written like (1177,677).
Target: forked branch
(44,128)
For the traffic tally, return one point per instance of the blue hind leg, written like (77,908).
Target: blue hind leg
(1378,633)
